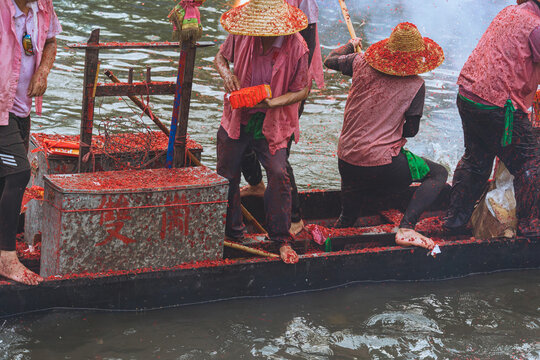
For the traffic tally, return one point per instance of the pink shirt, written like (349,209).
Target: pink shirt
(372,130)
(289,74)
(11,54)
(261,69)
(503,65)
(22,104)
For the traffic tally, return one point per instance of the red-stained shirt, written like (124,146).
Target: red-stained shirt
(289,74)
(504,65)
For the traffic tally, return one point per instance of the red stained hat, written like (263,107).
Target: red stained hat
(405,52)
(264,18)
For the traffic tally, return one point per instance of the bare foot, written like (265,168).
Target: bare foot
(408,237)
(288,255)
(296,227)
(11,267)
(253,190)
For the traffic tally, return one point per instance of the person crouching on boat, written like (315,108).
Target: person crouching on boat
(384,106)
(496,90)
(28,48)
(265,48)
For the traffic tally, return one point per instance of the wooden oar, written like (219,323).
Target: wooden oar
(348,21)
(247,249)
(192,157)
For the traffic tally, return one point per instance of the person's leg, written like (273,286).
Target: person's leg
(229,158)
(15,173)
(296,216)
(522,159)
(473,170)
(277,198)
(352,191)
(425,194)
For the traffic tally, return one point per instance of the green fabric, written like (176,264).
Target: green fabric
(328,245)
(417,166)
(508,123)
(508,117)
(255,125)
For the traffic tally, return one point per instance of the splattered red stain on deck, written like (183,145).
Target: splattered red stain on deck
(140,180)
(153,141)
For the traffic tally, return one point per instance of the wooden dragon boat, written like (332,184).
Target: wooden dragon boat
(365,253)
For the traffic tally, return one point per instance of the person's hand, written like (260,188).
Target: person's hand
(265,104)
(231,83)
(38,83)
(357,43)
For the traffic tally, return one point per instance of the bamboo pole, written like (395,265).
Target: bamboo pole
(249,250)
(348,21)
(192,157)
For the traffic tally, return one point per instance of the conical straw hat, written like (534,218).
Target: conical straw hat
(405,52)
(264,18)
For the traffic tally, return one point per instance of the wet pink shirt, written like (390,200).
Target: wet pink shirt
(503,64)
(289,74)
(372,132)
(10,50)
(22,104)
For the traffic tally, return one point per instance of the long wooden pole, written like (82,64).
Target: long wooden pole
(247,249)
(192,157)
(348,21)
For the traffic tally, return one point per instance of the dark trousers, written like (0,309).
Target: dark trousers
(14,176)
(277,197)
(360,185)
(251,169)
(482,131)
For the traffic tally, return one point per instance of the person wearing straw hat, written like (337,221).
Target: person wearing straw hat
(251,168)
(384,106)
(496,89)
(265,48)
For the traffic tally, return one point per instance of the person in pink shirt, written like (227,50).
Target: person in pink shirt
(265,48)
(384,106)
(251,168)
(28,48)
(496,89)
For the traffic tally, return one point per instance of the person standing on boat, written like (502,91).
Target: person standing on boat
(265,48)
(251,168)
(496,89)
(384,106)
(28,49)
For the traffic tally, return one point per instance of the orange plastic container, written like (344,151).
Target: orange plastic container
(250,96)
(536,111)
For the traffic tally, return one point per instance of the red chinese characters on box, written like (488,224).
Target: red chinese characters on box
(250,96)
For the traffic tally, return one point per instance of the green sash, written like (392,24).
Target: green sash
(508,117)
(418,166)
(255,125)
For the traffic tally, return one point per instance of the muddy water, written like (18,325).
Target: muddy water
(495,316)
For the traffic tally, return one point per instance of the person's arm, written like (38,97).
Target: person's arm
(534,42)
(342,59)
(221,62)
(285,99)
(414,113)
(38,83)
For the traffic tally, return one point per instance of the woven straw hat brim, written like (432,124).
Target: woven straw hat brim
(404,63)
(258,19)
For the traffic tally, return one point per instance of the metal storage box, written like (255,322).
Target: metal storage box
(45,162)
(122,220)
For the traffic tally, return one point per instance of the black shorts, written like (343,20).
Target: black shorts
(14,145)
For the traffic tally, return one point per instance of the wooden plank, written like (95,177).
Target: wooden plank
(136,88)
(185,100)
(87,116)
(134,45)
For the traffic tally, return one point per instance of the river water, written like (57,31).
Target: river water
(485,316)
